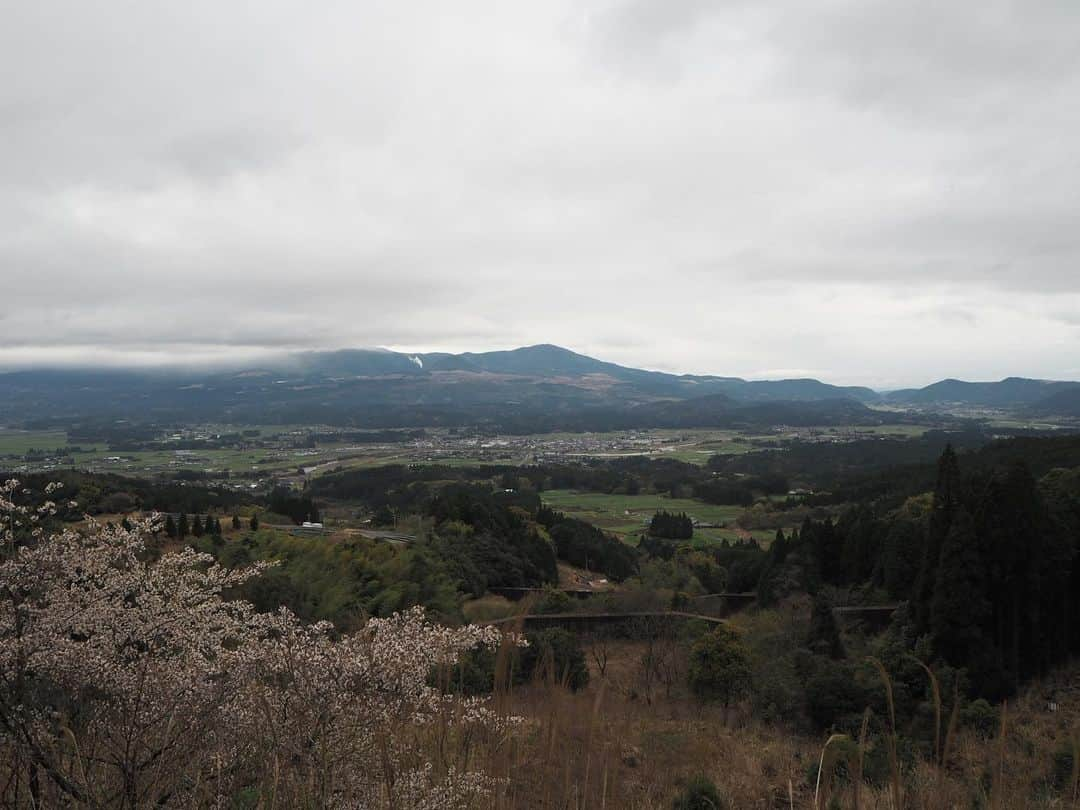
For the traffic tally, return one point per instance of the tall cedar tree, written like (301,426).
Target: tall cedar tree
(766,585)
(170,527)
(901,555)
(959,608)
(182,529)
(236,523)
(824,638)
(1031,555)
(671,526)
(946,500)
(828,546)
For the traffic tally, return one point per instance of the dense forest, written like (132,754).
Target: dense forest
(984,566)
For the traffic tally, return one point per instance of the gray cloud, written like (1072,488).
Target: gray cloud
(885,193)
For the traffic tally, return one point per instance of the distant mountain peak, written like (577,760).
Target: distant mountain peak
(546,347)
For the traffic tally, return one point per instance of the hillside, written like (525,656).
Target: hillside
(1011,392)
(1065,402)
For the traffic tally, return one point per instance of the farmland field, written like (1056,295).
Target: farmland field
(60,454)
(281,450)
(18,442)
(627,515)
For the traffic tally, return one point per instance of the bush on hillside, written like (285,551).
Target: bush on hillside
(719,666)
(557,653)
(699,793)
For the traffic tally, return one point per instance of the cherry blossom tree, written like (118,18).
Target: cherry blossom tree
(129,679)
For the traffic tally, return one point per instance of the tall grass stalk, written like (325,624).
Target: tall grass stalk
(1075,784)
(954,719)
(935,693)
(589,740)
(998,788)
(894,765)
(861,758)
(826,762)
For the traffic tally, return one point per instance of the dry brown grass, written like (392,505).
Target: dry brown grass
(488,608)
(598,748)
(606,747)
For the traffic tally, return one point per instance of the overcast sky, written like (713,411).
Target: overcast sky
(866,191)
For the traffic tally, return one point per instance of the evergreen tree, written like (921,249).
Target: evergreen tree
(170,527)
(945,503)
(824,637)
(182,530)
(384,516)
(217,526)
(1029,557)
(860,534)
(766,585)
(196,526)
(959,607)
(828,545)
(901,555)
(671,526)
(236,523)
(254,523)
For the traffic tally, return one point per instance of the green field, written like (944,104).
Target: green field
(627,515)
(18,442)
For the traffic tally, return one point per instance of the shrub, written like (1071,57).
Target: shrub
(980,717)
(1063,774)
(833,698)
(119,502)
(553,601)
(699,793)
(473,674)
(560,650)
(719,666)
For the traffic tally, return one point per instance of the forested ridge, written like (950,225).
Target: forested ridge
(987,562)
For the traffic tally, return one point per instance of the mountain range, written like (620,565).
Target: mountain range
(534,388)
(1012,392)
